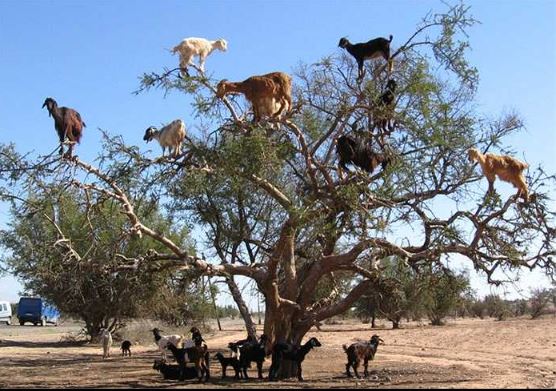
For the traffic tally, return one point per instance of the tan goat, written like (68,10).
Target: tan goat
(506,167)
(269,94)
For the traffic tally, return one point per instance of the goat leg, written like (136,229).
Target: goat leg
(348,373)
(299,374)
(355,366)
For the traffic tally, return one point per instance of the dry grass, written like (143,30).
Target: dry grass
(465,353)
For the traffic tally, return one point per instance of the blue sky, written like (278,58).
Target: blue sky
(88,55)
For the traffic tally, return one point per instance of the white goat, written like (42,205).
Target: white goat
(106,338)
(190,47)
(171,136)
(163,340)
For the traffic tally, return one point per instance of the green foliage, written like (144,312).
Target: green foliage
(540,300)
(443,292)
(496,307)
(228,311)
(395,296)
(404,292)
(68,249)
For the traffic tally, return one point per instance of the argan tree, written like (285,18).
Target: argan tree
(68,248)
(443,291)
(275,210)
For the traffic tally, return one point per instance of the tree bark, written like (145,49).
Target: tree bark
(242,307)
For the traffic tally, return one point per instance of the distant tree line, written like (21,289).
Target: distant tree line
(439,293)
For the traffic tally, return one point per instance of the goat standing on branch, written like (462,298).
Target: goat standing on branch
(190,47)
(359,152)
(67,123)
(269,94)
(384,109)
(378,47)
(507,168)
(171,136)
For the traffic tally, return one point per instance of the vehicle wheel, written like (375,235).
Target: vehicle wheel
(9,323)
(21,323)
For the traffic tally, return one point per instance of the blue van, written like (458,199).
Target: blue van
(36,311)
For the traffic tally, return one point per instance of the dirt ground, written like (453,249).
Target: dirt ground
(464,354)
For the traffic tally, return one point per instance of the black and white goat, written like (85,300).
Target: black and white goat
(286,351)
(378,47)
(361,351)
(358,151)
(170,136)
(162,341)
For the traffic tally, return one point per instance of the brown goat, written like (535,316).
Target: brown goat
(361,351)
(197,354)
(506,167)
(67,123)
(269,94)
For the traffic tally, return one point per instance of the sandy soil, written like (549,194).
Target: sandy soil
(464,354)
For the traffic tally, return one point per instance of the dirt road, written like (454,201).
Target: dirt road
(463,354)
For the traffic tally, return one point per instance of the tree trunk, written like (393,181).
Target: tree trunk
(214,304)
(242,307)
(281,326)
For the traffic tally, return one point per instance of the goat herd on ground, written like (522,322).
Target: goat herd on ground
(270,97)
(242,354)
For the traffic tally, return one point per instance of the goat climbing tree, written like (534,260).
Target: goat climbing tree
(274,209)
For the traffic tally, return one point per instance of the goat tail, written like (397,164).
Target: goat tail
(521,165)
(175,49)
(345,348)
(515,164)
(391,37)
(77,136)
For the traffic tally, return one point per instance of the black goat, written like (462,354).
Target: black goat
(384,108)
(174,372)
(196,334)
(225,362)
(378,47)
(126,345)
(197,354)
(286,351)
(358,152)
(361,351)
(67,122)
(250,351)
